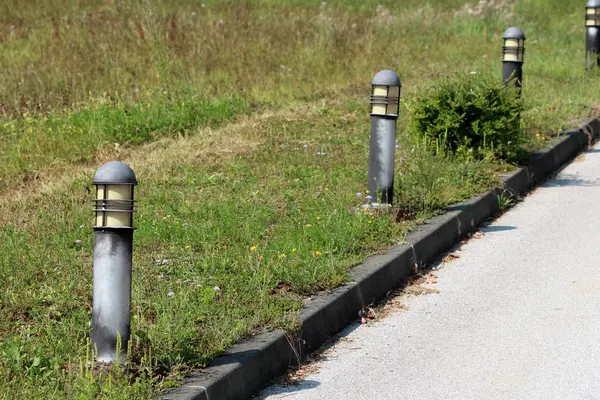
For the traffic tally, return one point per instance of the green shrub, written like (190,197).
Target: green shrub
(469,115)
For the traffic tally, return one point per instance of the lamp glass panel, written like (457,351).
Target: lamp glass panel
(99,195)
(510,57)
(114,218)
(394,94)
(379,91)
(592,17)
(511,42)
(379,109)
(119,192)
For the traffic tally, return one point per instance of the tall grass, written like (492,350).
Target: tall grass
(55,56)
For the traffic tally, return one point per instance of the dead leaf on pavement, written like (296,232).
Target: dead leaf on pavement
(450,257)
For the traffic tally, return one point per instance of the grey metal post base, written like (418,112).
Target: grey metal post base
(381,160)
(512,73)
(112,293)
(592,47)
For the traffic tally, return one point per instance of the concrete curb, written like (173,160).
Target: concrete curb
(250,364)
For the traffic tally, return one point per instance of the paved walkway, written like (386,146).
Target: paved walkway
(517,315)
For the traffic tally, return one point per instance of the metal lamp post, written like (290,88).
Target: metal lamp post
(592,36)
(113,247)
(513,53)
(385,107)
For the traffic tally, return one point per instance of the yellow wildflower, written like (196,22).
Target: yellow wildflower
(253,248)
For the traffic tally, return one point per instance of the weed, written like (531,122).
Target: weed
(504,202)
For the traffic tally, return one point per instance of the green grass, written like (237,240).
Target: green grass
(231,198)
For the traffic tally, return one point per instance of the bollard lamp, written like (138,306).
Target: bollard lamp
(385,106)
(513,52)
(385,94)
(113,250)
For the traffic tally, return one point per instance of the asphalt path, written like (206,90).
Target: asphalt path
(515,316)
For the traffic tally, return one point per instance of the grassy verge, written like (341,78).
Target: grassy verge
(238,222)
(217,233)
